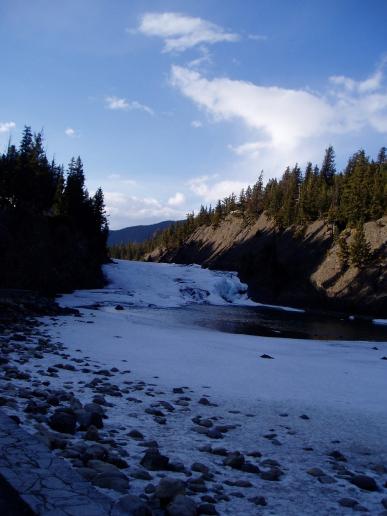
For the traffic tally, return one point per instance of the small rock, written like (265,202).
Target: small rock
(136,435)
(200,468)
(273,474)
(153,460)
(234,460)
(326,479)
(92,434)
(176,466)
(213,433)
(315,472)
(64,422)
(168,489)
(116,481)
(337,456)
(250,468)
(207,423)
(131,505)
(256,454)
(149,489)
(348,502)
(219,451)
(242,483)
(96,452)
(182,506)
(258,500)
(207,508)
(141,474)
(154,412)
(364,482)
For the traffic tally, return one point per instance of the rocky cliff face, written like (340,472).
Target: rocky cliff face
(298,266)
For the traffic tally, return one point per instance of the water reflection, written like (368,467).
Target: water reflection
(272,322)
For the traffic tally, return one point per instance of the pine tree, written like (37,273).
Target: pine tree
(382,156)
(343,251)
(53,235)
(75,194)
(359,249)
(26,142)
(218,213)
(328,167)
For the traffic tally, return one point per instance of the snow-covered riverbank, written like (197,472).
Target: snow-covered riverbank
(307,422)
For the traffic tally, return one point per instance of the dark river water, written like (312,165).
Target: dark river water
(272,322)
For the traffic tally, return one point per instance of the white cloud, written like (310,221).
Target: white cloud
(117,103)
(372,83)
(283,118)
(181,32)
(70,132)
(125,210)
(5,127)
(205,58)
(142,107)
(248,149)
(176,200)
(196,124)
(211,190)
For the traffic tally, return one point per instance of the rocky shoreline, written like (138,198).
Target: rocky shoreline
(73,404)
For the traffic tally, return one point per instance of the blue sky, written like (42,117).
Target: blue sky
(174,103)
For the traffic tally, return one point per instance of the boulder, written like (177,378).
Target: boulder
(234,460)
(112,480)
(272,474)
(364,482)
(63,422)
(153,460)
(168,489)
(182,506)
(131,505)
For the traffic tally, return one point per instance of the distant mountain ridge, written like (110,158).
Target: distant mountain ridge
(136,234)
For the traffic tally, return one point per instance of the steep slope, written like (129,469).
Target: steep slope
(136,233)
(298,266)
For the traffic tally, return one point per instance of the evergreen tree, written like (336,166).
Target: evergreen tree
(53,237)
(359,249)
(343,251)
(75,194)
(382,156)
(218,213)
(328,167)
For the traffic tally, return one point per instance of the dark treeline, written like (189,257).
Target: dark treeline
(52,233)
(346,199)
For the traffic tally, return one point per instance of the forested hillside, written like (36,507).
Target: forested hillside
(313,238)
(52,233)
(346,199)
